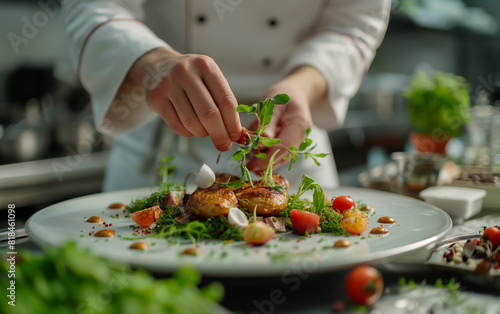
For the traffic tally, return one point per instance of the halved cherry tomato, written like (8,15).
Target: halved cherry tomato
(355,221)
(303,221)
(258,233)
(343,203)
(492,234)
(364,285)
(147,217)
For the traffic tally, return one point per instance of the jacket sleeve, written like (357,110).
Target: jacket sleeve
(342,46)
(106,38)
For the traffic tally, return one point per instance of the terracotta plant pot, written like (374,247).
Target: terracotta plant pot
(429,144)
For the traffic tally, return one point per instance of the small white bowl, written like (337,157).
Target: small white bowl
(459,202)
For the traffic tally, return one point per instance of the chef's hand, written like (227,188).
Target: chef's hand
(306,87)
(190,93)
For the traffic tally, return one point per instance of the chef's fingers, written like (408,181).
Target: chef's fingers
(271,128)
(208,114)
(201,111)
(158,100)
(186,112)
(259,166)
(224,100)
(290,135)
(167,112)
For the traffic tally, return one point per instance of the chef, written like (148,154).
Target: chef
(166,76)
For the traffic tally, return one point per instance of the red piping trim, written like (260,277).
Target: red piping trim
(92,31)
(187,22)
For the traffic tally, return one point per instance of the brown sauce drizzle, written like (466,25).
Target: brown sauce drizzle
(143,246)
(117,206)
(192,251)
(106,233)
(342,243)
(386,220)
(94,219)
(379,230)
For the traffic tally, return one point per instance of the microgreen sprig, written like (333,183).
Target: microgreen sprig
(165,170)
(264,111)
(305,149)
(308,184)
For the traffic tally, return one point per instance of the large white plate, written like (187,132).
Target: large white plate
(418,224)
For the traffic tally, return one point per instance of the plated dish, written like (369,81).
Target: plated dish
(417,225)
(475,253)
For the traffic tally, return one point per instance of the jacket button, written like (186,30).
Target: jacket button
(201,19)
(267,62)
(272,22)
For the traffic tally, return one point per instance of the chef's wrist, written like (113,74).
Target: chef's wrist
(311,82)
(146,72)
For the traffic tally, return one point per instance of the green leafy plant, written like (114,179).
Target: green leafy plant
(73,280)
(164,187)
(438,103)
(254,140)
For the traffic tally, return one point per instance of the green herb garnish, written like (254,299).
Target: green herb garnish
(69,280)
(264,111)
(157,196)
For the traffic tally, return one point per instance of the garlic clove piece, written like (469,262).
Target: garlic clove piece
(205,177)
(237,218)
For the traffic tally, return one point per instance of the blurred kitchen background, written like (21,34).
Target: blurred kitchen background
(50,151)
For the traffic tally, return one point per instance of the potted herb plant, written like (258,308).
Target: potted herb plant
(439,108)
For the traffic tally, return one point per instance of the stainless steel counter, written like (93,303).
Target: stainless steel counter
(51,180)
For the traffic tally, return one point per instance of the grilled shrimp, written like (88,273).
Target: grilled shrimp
(212,202)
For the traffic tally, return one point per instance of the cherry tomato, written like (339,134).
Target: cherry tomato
(244,138)
(147,217)
(343,203)
(483,267)
(492,234)
(258,233)
(364,285)
(355,221)
(303,221)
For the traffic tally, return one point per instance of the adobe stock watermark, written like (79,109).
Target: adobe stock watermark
(222,7)
(397,7)
(122,107)
(137,95)
(293,279)
(375,27)
(104,297)
(11,253)
(74,158)
(30,26)
(487,83)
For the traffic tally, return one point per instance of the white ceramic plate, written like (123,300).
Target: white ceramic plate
(417,225)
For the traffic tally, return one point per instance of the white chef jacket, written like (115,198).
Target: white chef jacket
(254,42)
